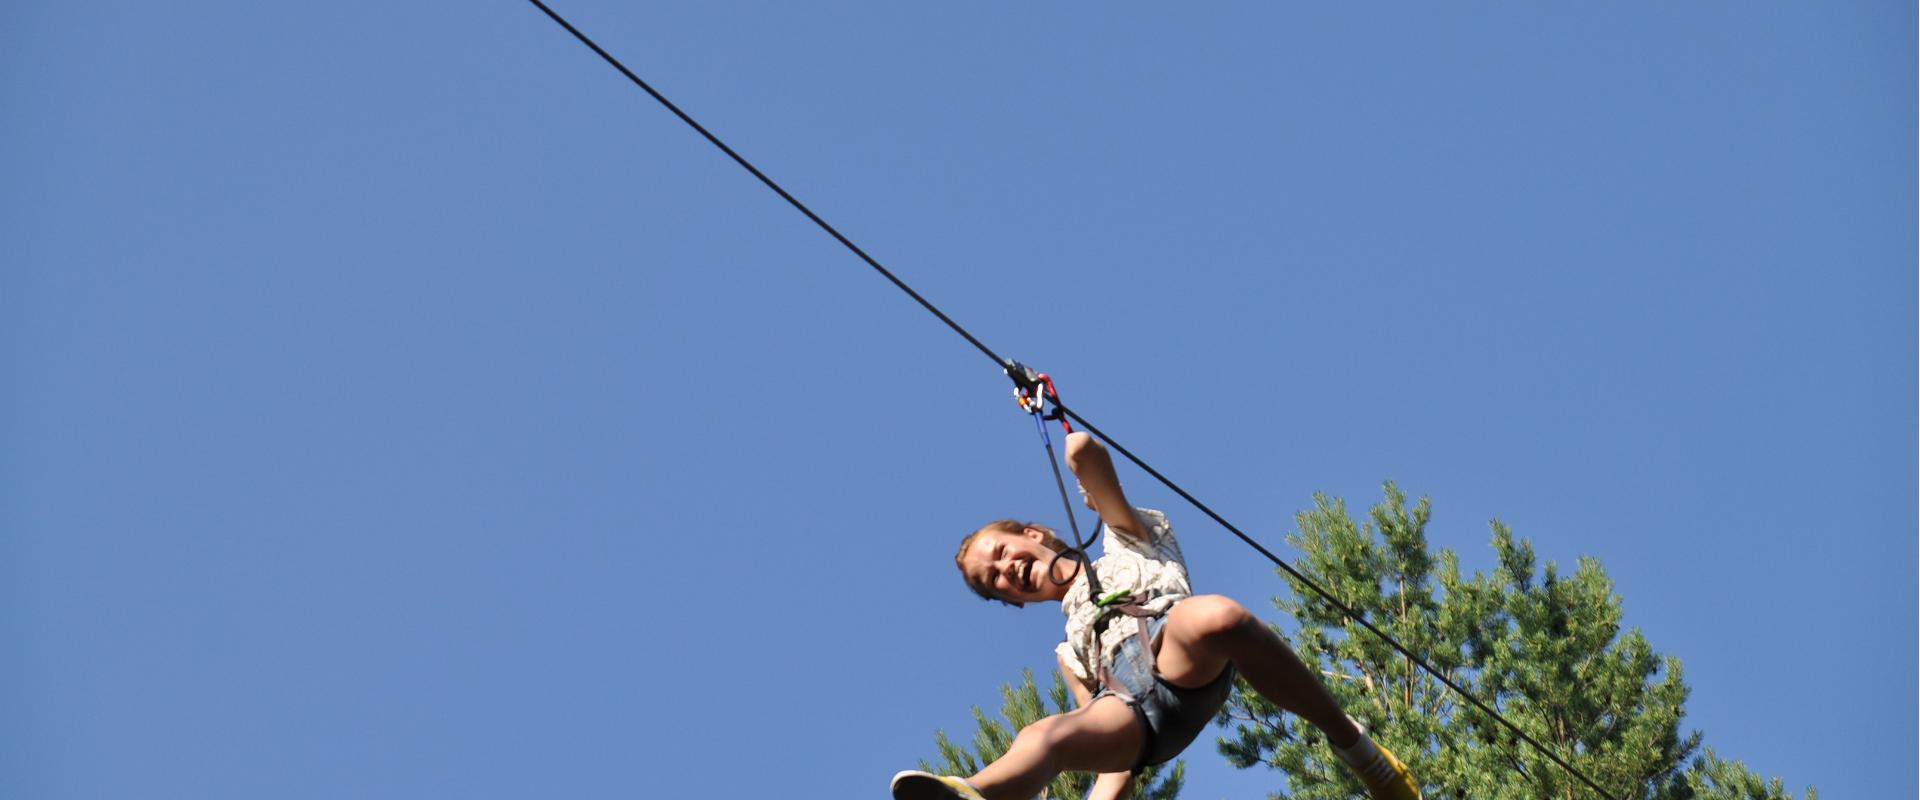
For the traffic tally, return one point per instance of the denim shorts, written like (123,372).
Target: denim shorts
(1170,716)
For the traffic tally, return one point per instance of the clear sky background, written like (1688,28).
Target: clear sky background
(397,403)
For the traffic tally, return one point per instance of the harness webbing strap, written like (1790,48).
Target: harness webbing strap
(1140,616)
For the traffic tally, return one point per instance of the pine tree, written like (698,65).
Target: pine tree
(1021,706)
(1543,648)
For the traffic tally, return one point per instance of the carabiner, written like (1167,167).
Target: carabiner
(1033,390)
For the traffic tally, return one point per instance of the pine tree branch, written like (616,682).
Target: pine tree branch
(1613,725)
(1259,721)
(1341,675)
(1409,691)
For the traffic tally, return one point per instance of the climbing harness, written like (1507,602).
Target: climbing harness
(1031,382)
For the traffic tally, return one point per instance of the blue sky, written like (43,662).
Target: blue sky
(400,404)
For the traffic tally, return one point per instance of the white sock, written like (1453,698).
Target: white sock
(1361,754)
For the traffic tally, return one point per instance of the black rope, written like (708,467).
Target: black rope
(1091,428)
(1080,545)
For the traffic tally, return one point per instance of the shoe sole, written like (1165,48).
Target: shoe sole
(922,787)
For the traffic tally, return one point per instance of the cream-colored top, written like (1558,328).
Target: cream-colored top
(1153,570)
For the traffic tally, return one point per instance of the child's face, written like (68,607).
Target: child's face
(1013,567)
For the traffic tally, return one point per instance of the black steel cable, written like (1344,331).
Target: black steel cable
(1091,428)
(997,360)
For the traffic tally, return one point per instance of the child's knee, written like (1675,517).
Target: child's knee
(1046,734)
(1210,616)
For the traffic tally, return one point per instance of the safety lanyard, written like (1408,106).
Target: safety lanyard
(1035,391)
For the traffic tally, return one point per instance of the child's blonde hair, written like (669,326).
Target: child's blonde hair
(1012,526)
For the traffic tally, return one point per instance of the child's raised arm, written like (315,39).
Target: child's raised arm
(1088,459)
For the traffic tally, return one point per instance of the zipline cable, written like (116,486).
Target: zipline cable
(831,231)
(1005,364)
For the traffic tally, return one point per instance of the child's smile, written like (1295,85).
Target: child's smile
(1013,567)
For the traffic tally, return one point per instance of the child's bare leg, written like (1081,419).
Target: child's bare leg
(1203,633)
(1103,737)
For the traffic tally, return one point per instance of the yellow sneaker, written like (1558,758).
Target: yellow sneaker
(1386,778)
(916,785)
